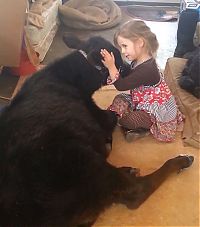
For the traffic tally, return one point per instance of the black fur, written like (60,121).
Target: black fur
(190,78)
(53,168)
(52,142)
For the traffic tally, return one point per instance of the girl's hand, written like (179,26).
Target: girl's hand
(108,58)
(109,62)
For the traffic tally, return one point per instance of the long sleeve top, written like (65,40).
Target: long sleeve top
(145,74)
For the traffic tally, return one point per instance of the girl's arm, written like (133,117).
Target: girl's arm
(145,74)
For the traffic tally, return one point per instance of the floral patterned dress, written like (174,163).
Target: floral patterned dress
(158,102)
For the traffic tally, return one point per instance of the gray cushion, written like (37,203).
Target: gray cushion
(90,14)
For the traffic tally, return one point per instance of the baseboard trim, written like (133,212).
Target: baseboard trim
(126,3)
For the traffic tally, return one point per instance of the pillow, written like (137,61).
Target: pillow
(90,14)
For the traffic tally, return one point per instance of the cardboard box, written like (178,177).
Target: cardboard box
(12,19)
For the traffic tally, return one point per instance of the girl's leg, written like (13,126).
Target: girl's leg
(121,104)
(135,120)
(136,124)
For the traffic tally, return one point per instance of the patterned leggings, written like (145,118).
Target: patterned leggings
(129,117)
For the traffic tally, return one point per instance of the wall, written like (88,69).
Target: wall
(12,18)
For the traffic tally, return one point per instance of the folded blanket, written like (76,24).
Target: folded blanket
(188,104)
(39,6)
(36,15)
(42,36)
(90,14)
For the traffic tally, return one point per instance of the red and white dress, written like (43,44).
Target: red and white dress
(160,104)
(156,100)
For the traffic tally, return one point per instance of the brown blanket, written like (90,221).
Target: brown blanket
(188,104)
(90,14)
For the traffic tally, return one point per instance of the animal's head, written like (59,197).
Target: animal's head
(91,50)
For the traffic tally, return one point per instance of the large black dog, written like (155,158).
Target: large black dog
(53,168)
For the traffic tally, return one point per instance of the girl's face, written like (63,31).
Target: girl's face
(131,50)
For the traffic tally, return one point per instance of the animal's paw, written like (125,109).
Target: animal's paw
(181,162)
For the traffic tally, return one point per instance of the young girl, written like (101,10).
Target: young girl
(150,104)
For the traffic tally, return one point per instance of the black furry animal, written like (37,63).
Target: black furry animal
(190,78)
(53,168)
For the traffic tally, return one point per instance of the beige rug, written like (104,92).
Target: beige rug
(175,203)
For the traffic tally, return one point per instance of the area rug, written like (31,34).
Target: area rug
(152,13)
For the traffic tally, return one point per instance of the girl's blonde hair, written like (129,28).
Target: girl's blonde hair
(138,29)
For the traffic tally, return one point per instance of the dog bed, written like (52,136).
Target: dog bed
(188,104)
(90,14)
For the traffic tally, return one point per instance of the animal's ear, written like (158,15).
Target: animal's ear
(72,41)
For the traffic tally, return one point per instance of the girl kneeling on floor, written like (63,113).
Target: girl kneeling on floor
(150,104)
